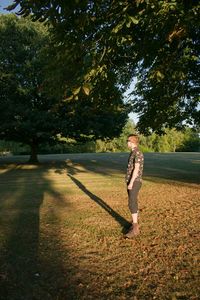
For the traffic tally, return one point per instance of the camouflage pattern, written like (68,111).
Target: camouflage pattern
(135,156)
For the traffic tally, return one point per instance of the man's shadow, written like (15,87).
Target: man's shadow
(122,221)
(28,268)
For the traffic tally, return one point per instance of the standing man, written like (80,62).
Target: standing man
(134,182)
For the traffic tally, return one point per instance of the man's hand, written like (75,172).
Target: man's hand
(130,186)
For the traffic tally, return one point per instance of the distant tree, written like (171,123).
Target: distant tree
(191,141)
(171,141)
(118,144)
(161,144)
(28,114)
(155,41)
(175,139)
(121,141)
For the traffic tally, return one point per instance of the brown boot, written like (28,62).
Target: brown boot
(133,232)
(136,229)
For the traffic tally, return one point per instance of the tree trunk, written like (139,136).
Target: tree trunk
(34,154)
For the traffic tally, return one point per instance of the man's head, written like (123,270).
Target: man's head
(133,140)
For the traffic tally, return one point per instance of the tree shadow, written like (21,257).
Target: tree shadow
(180,167)
(26,273)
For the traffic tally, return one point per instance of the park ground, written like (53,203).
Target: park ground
(62,224)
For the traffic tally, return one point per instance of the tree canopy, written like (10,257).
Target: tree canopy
(155,41)
(28,113)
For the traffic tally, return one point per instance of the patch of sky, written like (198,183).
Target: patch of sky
(133,116)
(4,4)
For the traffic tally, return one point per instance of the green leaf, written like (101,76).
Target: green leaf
(76,91)
(128,24)
(134,20)
(118,27)
(86,90)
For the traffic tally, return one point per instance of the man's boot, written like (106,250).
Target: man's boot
(136,230)
(133,232)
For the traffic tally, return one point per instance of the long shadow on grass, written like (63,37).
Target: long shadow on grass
(29,270)
(123,222)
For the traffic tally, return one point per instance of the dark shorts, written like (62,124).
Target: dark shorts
(133,197)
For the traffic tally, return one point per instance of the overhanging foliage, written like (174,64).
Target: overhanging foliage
(155,41)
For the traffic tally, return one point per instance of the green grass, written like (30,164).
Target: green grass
(62,225)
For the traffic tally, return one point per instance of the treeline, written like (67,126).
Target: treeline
(172,141)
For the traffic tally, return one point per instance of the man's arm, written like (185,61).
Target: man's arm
(134,175)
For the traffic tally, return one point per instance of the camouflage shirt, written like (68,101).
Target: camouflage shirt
(135,157)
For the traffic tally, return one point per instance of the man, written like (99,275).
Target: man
(134,182)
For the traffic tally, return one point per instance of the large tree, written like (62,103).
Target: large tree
(28,114)
(155,41)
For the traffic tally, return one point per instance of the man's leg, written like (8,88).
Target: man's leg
(133,206)
(136,230)
(135,217)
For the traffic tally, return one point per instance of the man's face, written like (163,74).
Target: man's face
(130,143)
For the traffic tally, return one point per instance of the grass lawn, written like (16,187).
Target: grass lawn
(62,225)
